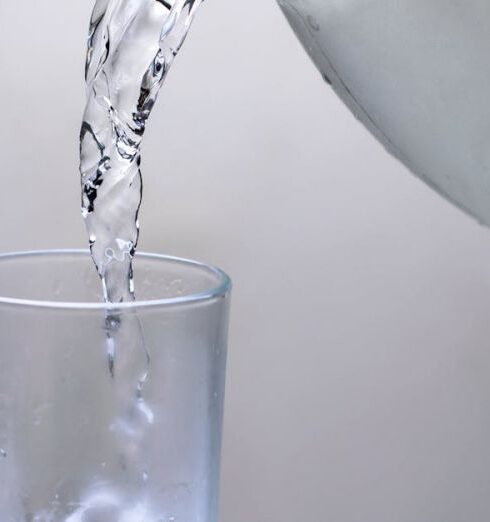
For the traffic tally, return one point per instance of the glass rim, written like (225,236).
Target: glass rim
(220,290)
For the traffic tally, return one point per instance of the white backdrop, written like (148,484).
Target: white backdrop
(358,384)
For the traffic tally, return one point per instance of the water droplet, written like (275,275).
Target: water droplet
(3,453)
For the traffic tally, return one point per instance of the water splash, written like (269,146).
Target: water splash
(131,47)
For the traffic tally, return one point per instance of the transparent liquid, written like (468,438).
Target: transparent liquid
(131,46)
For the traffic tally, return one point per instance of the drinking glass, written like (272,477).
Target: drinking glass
(110,412)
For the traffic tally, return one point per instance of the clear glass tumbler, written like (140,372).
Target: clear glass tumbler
(110,413)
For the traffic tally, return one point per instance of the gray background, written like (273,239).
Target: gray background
(359,367)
